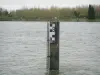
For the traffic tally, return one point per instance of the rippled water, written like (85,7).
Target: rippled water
(23,48)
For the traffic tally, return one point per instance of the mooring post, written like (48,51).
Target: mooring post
(53,45)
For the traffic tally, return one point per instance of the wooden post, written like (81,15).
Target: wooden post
(53,45)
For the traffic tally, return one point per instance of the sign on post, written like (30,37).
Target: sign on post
(53,45)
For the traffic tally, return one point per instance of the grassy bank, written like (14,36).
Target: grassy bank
(7,18)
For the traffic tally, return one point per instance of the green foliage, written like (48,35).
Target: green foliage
(91,12)
(77,14)
(64,13)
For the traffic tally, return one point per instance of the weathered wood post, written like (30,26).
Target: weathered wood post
(53,45)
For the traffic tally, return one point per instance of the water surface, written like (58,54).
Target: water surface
(23,48)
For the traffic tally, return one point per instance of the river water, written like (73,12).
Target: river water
(23,48)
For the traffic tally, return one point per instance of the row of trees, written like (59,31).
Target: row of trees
(48,13)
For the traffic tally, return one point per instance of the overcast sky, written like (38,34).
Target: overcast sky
(16,4)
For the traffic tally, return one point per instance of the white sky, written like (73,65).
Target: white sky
(16,4)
